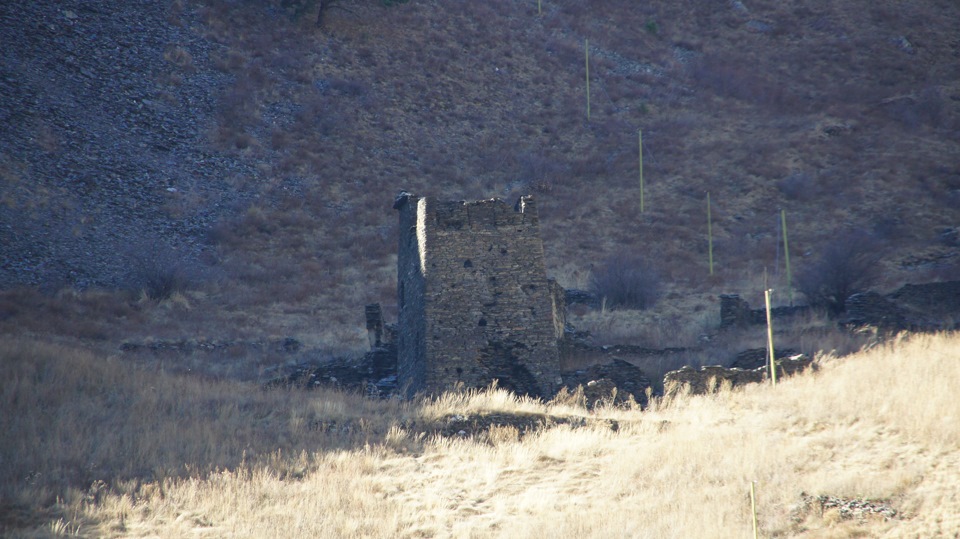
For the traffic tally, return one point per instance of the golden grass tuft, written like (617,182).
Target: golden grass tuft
(99,448)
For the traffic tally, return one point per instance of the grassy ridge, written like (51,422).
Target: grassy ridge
(103,448)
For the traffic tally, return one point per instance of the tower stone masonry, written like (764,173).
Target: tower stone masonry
(474,300)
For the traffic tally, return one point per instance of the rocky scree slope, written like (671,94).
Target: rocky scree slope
(104,156)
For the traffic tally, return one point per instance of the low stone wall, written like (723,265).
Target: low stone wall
(573,296)
(913,307)
(941,300)
(711,378)
(735,312)
(755,358)
(616,382)
(287,345)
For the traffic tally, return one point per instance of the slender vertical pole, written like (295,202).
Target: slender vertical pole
(786,253)
(776,264)
(539,9)
(640,137)
(586,48)
(773,361)
(753,508)
(709,235)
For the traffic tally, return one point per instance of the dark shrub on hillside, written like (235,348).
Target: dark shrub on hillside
(847,265)
(799,186)
(159,271)
(626,282)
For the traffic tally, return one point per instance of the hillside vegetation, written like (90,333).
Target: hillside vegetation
(238,153)
(94,447)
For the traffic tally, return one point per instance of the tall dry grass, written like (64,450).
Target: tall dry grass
(175,456)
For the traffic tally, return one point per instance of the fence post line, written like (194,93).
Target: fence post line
(773,361)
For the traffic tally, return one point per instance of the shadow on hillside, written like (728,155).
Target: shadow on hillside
(80,425)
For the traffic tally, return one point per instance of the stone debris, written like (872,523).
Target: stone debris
(735,312)
(286,345)
(849,508)
(123,124)
(913,307)
(617,382)
(711,378)
(756,358)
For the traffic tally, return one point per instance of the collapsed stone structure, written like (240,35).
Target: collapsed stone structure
(710,378)
(475,305)
(474,300)
(736,312)
(912,307)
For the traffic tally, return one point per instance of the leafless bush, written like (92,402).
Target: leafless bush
(626,281)
(847,265)
(160,271)
(538,172)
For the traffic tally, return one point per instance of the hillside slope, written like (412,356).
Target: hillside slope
(255,155)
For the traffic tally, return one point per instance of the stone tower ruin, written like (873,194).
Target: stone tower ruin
(474,300)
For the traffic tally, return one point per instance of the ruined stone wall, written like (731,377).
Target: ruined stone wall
(913,307)
(710,378)
(930,299)
(411,297)
(475,302)
(736,312)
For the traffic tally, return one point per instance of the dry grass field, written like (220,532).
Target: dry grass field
(95,447)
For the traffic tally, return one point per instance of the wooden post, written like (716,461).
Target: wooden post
(640,138)
(709,235)
(786,254)
(586,49)
(753,508)
(773,361)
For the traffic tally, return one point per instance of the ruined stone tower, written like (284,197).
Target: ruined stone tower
(474,300)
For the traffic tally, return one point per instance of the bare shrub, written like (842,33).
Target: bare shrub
(160,271)
(538,172)
(847,265)
(626,281)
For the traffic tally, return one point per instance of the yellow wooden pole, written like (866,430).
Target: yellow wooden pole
(586,49)
(640,138)
(773,361)
(753,509)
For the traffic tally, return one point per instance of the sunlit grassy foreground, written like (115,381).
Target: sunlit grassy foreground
(95,447)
